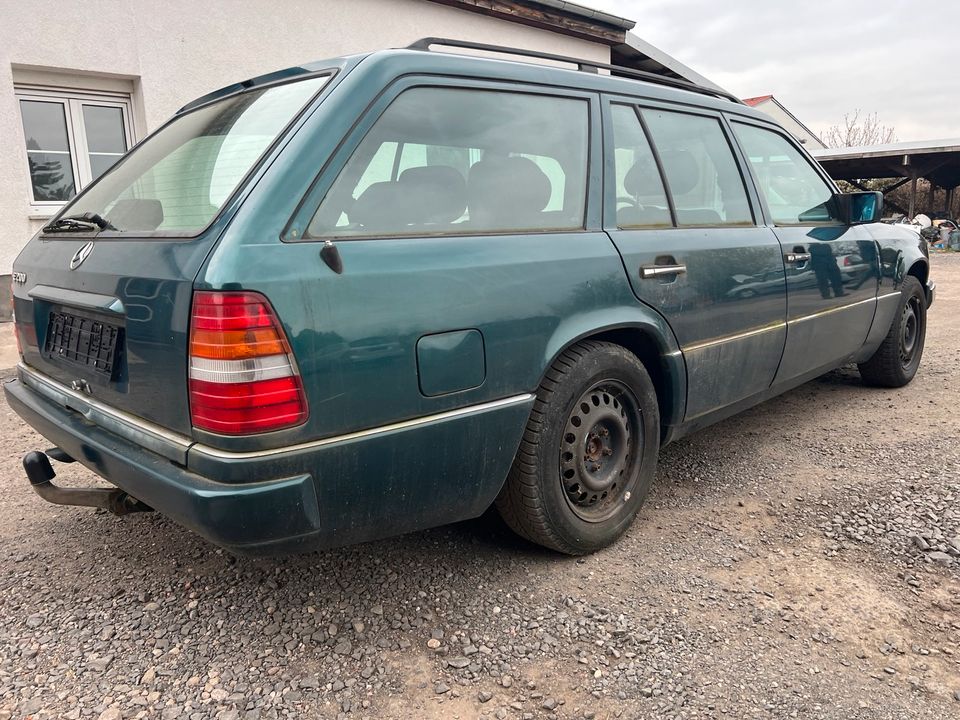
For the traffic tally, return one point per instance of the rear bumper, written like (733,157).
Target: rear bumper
(251,518)
(930,290)
(369,484)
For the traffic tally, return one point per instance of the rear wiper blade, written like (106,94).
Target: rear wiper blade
(80,223)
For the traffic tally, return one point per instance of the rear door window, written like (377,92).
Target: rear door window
(463,161)
(794,191)
(702,174)
(641,199)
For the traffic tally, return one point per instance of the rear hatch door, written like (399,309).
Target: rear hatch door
(116,326)
(105,307)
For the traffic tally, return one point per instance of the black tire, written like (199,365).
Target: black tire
(896,361)
(596,399)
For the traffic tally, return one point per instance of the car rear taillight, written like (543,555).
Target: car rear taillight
(243,378)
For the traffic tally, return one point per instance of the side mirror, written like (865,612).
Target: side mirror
(858,208)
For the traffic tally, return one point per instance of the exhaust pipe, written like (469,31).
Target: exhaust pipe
(40,473)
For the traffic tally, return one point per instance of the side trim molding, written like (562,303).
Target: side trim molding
(777,326)
(362,434)
(174,446)
(730,338)
(831,311)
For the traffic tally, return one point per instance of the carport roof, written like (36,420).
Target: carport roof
(935,160)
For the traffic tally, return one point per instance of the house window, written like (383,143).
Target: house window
(71,139)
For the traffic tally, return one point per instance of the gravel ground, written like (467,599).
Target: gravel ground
(801,560)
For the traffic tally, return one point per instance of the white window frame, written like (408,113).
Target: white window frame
(73,102)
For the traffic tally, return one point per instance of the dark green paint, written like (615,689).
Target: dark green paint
(450,361)
(415,327)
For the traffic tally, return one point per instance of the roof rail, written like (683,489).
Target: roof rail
(590,66)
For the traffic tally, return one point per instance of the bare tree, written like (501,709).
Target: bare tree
(856,130)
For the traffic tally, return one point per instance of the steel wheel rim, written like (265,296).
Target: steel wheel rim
(909,331)
(600,450)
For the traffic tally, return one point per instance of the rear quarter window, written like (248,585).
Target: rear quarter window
(459,161)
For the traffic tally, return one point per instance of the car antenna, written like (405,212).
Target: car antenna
(331,256)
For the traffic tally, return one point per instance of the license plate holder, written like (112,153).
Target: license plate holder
(83,342)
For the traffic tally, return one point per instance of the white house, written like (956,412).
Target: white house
(82,81)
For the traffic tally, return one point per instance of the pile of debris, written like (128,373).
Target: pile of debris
(941,232)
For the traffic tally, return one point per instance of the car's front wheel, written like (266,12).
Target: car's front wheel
(589,451)
(896,360)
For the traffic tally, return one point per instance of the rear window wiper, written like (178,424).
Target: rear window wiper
(79,223)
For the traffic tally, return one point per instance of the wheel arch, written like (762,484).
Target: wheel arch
(652,342)
(920,269)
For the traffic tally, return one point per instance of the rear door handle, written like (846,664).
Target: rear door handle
(652,271)
(797,257)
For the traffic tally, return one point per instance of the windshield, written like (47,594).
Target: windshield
(177,179)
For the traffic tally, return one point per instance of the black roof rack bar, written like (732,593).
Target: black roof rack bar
(583,65)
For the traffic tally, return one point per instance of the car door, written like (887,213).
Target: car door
(832,268)
(679,212)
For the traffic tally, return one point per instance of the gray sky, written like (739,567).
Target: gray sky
(820,58)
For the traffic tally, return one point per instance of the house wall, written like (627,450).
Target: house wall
(168,53)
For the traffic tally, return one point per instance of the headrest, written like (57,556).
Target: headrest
(681,169)
(513,188)
(377,207)
(136,214)
(433,194)
(643,179)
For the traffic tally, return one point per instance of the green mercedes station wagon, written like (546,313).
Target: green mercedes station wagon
(383,292)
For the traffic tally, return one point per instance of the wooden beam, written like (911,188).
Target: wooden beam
(913,196)
(897,184)
(553,20)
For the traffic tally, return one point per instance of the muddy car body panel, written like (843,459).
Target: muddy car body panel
(421,358)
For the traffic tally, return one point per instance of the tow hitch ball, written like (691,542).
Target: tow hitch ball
(40,473)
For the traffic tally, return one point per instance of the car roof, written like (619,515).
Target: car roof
(404,61)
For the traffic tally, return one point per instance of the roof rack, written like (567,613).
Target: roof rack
(589,66)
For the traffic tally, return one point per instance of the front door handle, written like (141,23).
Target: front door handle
(797,257)
(652,271)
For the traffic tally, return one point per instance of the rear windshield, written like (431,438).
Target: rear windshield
(177,179)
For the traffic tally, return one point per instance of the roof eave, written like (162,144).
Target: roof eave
(557,16)
(644,56)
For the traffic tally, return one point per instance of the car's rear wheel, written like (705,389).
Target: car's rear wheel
(896,360)
(589,451)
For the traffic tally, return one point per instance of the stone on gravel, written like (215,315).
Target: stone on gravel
(343,647)
(100,664)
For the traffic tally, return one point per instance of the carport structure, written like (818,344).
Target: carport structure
(937,161)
